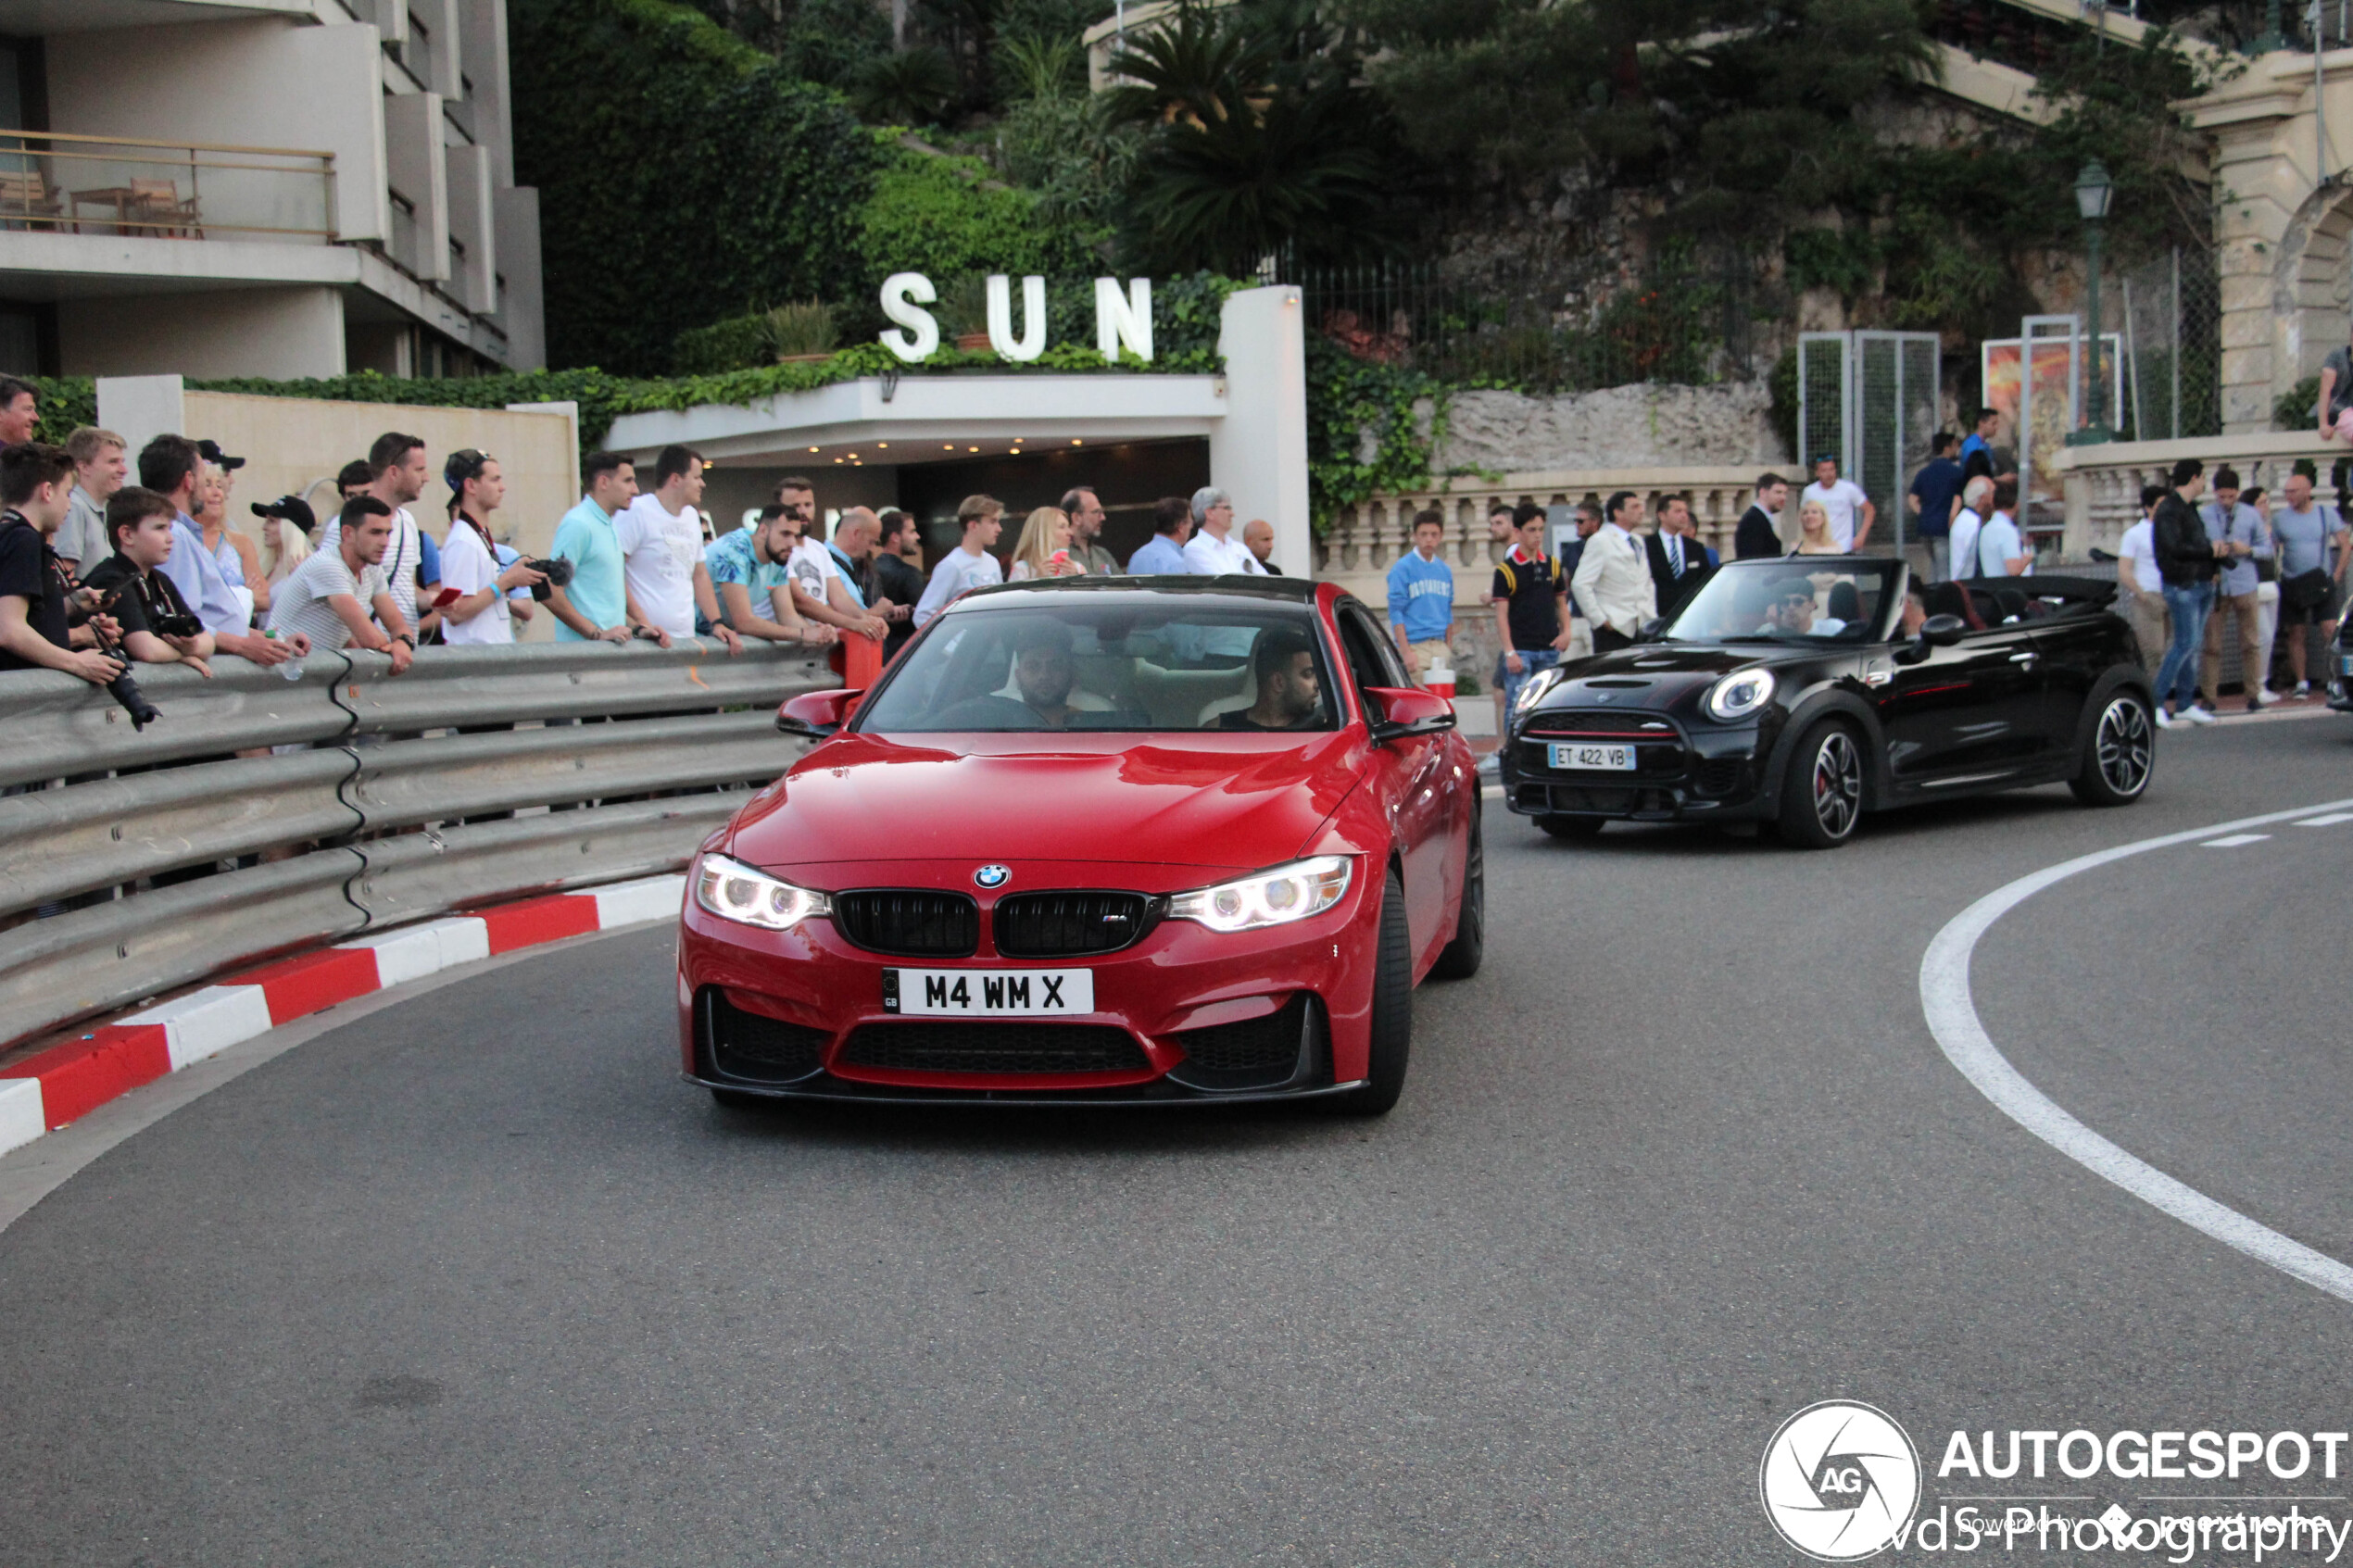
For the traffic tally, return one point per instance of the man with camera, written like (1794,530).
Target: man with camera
(157,625)
(327,598)
(36,481)
(473,586)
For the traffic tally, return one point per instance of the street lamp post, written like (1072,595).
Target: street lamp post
(2092,189)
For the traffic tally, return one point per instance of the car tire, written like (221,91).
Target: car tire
(1822,794)
(2120,755)
(1392,1011)
(1459,958)
(1573,827)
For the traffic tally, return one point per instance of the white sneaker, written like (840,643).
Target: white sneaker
(2196,715)
(2164,720)
(2304,688)
(2265,696)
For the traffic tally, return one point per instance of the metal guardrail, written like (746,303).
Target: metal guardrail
(479,773)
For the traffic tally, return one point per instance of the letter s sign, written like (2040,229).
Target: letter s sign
(904,294)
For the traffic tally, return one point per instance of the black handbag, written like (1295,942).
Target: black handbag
(2306,590)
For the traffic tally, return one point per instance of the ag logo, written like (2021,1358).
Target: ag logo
(1839,1481)
(992,876)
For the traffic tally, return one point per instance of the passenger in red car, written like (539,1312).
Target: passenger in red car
(1289,695)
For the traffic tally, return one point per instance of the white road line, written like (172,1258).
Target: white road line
(2235,840)
(2328,821)
(1952,1018)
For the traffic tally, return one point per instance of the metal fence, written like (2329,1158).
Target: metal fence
(159,857)
(1687,321)
(2169,315)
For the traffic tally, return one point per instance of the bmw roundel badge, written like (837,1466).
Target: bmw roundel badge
(992,876)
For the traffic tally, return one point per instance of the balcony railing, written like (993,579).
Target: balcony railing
(166,190)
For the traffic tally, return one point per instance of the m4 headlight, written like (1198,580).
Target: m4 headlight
(1268,897)
(1739,697)
(734,891)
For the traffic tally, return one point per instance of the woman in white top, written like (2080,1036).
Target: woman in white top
(1044,547)
(1814,535)
(239,562)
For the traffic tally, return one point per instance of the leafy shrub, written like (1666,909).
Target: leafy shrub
(913,87)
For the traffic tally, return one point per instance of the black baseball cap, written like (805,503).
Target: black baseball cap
(214,455)
(293,508)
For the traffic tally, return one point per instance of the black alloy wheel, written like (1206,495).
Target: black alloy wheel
(1822,798)
(2123,753)
(1459,958)
(1393,1020)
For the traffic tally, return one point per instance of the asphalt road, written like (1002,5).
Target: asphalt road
(474,1279)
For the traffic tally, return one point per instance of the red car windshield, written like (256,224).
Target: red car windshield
(1184,666)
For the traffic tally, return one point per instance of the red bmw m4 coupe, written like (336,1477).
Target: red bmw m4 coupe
(1095,841)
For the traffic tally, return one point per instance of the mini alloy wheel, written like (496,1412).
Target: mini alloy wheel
(1823,799)
(2124,752)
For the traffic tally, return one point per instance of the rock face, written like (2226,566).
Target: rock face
(1639,426)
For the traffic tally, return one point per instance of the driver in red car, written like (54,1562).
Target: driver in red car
(1289,696)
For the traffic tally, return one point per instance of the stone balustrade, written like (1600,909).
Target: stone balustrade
(1364,541)
(2103,484)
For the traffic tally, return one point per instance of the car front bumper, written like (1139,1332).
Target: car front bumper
(1185,1015)
(1711,775)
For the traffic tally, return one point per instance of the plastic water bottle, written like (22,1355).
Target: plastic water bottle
(291,668)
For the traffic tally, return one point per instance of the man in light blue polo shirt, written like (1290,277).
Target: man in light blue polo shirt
(595,606)
(1165,551)
(1421,598)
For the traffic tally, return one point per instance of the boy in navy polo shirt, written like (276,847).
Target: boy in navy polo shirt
(1421,598)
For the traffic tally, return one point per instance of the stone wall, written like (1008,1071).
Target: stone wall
(1641,426)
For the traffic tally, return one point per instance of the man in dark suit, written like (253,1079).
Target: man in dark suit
(1756,534)
(1678,561)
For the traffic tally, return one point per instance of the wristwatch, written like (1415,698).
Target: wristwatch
(405,637)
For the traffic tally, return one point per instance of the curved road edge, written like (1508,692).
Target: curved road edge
(1951,1013)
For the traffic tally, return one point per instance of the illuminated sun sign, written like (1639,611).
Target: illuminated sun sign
(1120,319)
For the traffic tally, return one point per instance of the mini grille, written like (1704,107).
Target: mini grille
(1632,724)
(1008,1047)
(760,1049)
(1055,925)
(911,923)
(1255,1045)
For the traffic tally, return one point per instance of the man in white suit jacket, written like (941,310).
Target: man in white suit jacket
(1613,583)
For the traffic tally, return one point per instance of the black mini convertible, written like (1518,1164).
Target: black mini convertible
(1803,691)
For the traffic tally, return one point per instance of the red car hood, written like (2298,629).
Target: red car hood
(1219,801)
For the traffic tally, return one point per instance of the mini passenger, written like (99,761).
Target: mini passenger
(1289,695)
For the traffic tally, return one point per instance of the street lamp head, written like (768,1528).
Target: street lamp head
(2093,189)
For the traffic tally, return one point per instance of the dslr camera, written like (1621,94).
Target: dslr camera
(558,572)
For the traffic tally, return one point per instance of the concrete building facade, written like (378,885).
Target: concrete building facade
(262,188)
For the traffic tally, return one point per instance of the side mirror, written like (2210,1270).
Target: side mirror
(1650,629)
(1407,710)
(816,714)
(1943,631)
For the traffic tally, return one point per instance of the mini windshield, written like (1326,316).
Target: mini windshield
(1129,663)
(1789,599)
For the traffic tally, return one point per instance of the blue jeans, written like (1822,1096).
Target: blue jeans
(1530,662)
(2188,608)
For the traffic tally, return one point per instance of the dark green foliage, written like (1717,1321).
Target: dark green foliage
(822,41)
(1259,139)
(65,402)
(945,217)
(916,87)
(734,344)
(666,149)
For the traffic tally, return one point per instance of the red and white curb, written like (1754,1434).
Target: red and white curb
(48,1090)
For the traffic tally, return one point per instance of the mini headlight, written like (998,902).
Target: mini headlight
(1269,898)
(734,891)
(1533,691)
(1739,695)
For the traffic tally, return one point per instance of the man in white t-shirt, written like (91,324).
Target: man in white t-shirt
(660,538)
(969,565)
(1851,511)
(1214,551)
(2140,589)
(1977,499)
(474,609)
(329,596)
(818,593)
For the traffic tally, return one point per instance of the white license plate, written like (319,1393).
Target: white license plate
(2344,664)
(1620,758)
(993,993)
